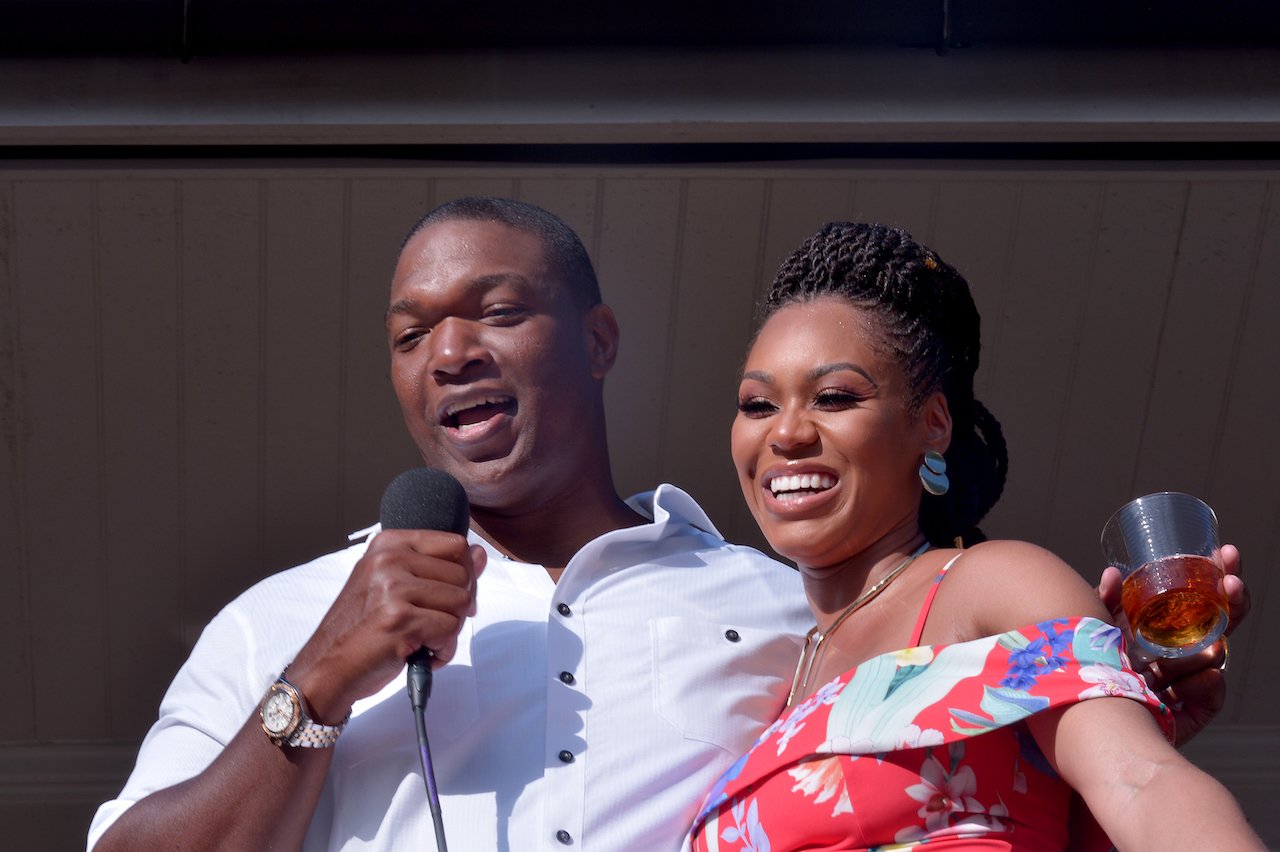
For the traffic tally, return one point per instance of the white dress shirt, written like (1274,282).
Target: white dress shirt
(589,714)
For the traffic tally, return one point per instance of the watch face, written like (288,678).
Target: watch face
(279,713)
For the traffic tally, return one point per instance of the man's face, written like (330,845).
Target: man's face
(491,359)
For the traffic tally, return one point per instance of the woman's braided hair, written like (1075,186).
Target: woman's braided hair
(924,314)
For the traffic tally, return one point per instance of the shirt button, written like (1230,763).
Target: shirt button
(566,677)
(732,635)
(564,610)
(566,756)
(564,837)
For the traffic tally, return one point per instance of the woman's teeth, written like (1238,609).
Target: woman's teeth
(781,485)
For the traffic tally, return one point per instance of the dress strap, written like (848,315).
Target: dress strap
(928,601)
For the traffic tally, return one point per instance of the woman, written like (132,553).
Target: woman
(945,693)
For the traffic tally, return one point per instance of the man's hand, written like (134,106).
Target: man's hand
(411,589)
(1194,687)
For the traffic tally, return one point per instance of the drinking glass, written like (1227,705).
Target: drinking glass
(1166,547)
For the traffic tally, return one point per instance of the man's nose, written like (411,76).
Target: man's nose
(456,347)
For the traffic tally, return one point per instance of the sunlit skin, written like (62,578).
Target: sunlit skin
(498,370)
(473,311)
(820,397)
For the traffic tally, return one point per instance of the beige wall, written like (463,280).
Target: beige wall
(194,395)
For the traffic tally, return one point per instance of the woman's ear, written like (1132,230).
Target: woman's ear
(600,330)
(935,420)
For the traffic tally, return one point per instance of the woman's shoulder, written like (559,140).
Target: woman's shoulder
(1005,584)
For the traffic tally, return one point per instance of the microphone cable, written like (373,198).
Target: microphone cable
(425,499)
(419,685)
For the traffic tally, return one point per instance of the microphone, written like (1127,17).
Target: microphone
(425,499)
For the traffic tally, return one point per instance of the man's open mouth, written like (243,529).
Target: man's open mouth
(465,416)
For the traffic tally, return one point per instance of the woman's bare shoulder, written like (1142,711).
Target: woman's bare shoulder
(1005,584)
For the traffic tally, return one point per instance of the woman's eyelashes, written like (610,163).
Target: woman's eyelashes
(836,399)
(827,399)
(756,406)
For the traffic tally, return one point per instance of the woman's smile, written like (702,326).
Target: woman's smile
(825,441)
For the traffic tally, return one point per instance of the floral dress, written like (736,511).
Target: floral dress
(923,745)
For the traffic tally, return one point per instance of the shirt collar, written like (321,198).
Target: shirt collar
(668,504)
(665,506)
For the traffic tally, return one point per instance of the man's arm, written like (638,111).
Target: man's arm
(411,589)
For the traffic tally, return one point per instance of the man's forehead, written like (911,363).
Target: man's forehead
(474,254)
(471,240)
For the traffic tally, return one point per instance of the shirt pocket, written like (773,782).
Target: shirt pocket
(720,683)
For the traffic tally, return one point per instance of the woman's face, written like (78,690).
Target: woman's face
(826,450)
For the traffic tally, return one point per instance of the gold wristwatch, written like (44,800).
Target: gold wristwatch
(286,722)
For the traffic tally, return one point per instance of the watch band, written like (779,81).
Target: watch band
(307,733)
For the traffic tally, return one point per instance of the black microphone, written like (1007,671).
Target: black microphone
(425,499)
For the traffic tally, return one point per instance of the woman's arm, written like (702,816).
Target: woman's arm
(1110,750)
(1141,791)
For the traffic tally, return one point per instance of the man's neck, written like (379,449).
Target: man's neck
(550,535)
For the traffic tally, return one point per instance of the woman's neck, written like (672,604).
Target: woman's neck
(832,589)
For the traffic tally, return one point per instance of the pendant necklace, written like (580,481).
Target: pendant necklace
(813,639)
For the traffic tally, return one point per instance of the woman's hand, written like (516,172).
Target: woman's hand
(1194,687)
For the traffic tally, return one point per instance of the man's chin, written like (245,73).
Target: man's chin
(486,474)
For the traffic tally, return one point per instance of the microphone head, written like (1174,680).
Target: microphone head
(425,499)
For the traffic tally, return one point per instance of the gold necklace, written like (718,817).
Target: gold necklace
(813,639)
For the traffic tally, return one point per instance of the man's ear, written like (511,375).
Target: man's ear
(935,420)
(600,331)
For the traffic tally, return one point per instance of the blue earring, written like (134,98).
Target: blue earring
(933,474)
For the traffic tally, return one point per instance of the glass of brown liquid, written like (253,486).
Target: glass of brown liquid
(1166,547)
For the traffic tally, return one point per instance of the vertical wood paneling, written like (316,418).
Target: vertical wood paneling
(221,349)
(973,230)
(1102,427)
(500,185)
(60,348)
(795,209)
(1244,473)
(200,394)
(1211,280)
(18,714)
(375,445)
(305,266)
(907,204)
(137,257)
(973,226)
(637,263)
(718,268)
(1050,265)
(575,200)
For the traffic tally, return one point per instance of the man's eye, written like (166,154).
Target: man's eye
(755,406)
(503,314)
(406,340)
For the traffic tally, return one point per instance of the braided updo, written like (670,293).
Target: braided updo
(925,316)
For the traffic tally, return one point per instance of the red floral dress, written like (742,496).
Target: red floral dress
(923,745)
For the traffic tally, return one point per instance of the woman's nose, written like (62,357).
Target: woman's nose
(792,429)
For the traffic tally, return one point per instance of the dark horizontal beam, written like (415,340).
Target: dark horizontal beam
(278,27)
(662,153)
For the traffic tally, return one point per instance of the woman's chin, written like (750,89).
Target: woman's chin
(796,550)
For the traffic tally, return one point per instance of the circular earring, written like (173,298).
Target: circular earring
(933,474)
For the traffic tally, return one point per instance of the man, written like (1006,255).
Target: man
(600,662)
